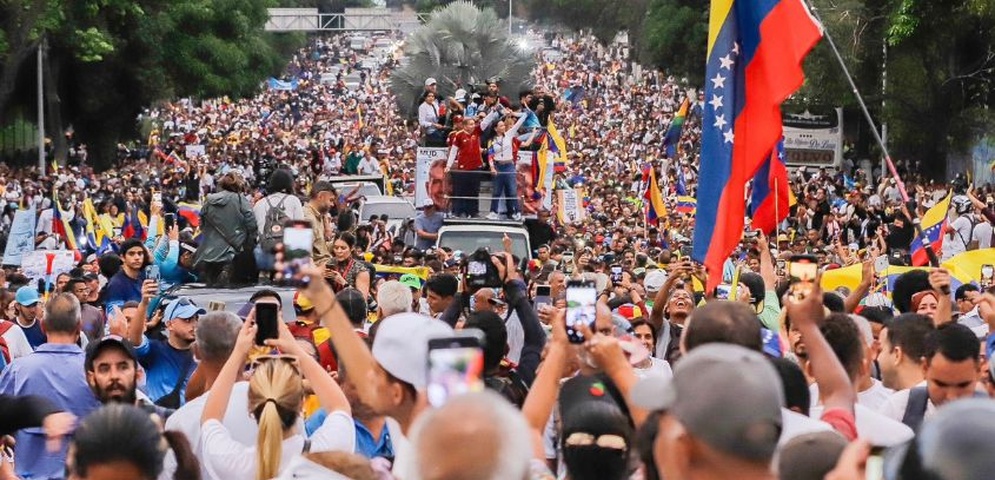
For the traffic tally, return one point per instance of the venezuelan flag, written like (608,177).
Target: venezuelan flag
(60,226)
(191,212)
(673,139)
(655,209)
(556,143)
(771,195)
(933,224)
(686,204)
(754,61)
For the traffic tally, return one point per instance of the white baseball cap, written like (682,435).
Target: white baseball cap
(401,345)
(430,81)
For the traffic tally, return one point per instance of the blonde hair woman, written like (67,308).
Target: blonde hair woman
(276,396)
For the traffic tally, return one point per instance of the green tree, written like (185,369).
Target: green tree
(674,36)
(111,58)
(460,46)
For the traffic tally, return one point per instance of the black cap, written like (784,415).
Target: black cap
(94,349)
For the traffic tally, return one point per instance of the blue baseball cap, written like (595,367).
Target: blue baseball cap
(183,308)
(27,296)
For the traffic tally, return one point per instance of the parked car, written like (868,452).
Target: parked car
(397,210)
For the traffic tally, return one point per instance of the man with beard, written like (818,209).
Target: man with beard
(112,373)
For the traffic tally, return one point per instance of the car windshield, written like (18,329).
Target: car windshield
(469,242)
(398,211)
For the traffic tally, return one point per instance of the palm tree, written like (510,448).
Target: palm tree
(461,46)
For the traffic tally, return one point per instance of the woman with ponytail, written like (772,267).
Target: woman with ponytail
(276,397)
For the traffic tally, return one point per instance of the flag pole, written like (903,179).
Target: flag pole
(916,222)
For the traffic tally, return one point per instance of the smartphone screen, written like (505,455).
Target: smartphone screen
(987,275)
(722,291)
(169,220)
(266,318)
(802,269)
(781,264)
(581,299)
(616,274)
(157,197)
(297,242)
(455,366)
(152,273)
(542,297)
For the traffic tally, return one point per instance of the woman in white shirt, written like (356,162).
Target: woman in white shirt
(276,397)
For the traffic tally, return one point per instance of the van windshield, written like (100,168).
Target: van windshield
(469,242)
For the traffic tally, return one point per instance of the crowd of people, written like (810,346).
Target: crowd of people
(108,372)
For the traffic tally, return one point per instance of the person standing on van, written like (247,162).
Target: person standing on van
(272,211)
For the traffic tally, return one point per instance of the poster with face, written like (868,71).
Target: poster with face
(430,177)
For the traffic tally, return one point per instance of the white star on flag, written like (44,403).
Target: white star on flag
(727,62)
(719,81)
(720,121)
(728,136)
(716,101)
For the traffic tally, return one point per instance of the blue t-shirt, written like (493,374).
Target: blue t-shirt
(366,445)
(429,223)
(163,366)
(122,289)
(34,334)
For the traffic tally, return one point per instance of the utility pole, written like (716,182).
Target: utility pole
(884,94)
(41,106)
(509,17)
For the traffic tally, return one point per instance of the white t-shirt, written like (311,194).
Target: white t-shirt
(894,408)
(795,424)
(657,368)
(241,426)
(292,206)
(983,234)
(956,241)
(872,398)
(516,337)
(875,427)
(17,343)
(227,458)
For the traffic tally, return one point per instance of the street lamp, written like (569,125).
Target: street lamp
(509,17)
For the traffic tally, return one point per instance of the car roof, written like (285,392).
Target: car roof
(385,199)
(235,298)
(486,228)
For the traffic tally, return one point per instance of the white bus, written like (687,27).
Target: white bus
(813,137)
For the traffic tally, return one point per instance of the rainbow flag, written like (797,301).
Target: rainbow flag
(933,224)
(672,140)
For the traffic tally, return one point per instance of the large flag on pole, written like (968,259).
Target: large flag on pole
(754,62)
(770,199)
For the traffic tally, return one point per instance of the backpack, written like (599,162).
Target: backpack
(276,217)
(4,348)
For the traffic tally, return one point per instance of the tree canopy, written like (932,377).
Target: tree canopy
(460,46)
(108,59)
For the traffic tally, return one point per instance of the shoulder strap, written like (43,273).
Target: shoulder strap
(4,326)
(915,410)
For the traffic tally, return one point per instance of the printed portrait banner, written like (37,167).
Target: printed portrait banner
(21,239)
